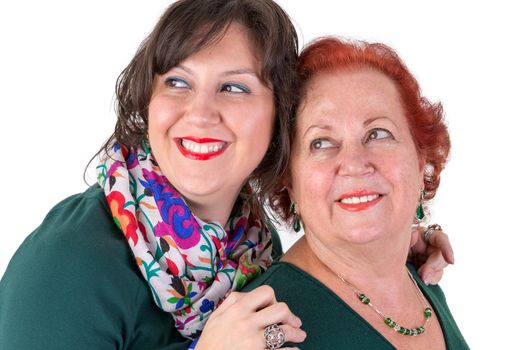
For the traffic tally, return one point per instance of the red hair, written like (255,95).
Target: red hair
(425,119)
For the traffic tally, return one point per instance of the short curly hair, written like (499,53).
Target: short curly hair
(425,119)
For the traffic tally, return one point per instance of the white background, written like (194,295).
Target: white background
(59,61)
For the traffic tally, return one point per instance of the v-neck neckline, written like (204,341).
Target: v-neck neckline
(412,271)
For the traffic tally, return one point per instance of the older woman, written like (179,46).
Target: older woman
(367,154)
(174,224)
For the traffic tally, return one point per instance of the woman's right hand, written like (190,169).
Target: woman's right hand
(239,322)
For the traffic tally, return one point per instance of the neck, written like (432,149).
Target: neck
(374,264)
(213,209)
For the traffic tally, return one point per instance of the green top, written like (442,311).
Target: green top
(330,323)
(74,284)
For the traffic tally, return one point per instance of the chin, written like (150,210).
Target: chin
(363,235)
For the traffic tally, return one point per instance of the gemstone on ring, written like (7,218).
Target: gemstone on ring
(274,336)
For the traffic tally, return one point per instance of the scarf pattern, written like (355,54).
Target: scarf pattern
(190,265)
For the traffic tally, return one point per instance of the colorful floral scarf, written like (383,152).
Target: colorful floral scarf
(190,265)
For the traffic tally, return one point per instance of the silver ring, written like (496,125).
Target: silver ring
(430,231)
(274,336)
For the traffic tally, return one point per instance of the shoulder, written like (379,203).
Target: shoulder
(78,228)
(281,277)
(77,238)
(74,272)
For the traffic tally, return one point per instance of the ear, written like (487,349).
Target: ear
(423,169)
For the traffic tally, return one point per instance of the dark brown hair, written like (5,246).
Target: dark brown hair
(425,119)
(186,27)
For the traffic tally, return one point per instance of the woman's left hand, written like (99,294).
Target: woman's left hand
(432,256)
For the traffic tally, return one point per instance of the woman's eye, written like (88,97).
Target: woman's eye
(177,83)
(234,88)
(379,134)
(321,144)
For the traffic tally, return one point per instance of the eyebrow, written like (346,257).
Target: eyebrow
(371,120)
(315,126)
(329,127)
(239,71)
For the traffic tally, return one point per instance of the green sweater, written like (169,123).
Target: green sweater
(74,284)
(330,323)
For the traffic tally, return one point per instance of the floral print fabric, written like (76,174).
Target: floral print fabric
(190,265)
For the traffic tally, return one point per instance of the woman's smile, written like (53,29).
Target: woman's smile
(359,200)
(200,148)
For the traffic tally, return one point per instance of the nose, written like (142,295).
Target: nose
(355,161)
(202,110)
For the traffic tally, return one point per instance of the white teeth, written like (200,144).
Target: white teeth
(202,148)
(362,199)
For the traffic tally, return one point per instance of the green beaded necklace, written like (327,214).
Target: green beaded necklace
(427,313)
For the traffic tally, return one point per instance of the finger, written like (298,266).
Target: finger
(293,334)
(226,303)
(258,298)
(440,240)
(417,242)
(432,269)
(415,236)
(436,277)
(276,313)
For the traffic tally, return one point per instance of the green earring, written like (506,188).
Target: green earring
(296,219)
(420,213)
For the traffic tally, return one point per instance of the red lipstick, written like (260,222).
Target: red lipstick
(200,156)
(356,207)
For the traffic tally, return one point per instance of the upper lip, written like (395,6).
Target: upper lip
(358,193)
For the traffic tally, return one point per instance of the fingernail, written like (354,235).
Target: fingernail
(299,322)
(428,278)
(302,333)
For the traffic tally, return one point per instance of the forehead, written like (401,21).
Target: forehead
(208,43)
(231,47)
(349,91)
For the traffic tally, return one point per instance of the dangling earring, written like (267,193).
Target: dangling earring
(420,213)
(296,219)
(145,142)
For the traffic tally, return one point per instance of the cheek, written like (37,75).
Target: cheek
(312,184)
(405,175)
(161,114)
(254,124)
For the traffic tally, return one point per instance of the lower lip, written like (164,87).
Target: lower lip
(359,206)
(199,156)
